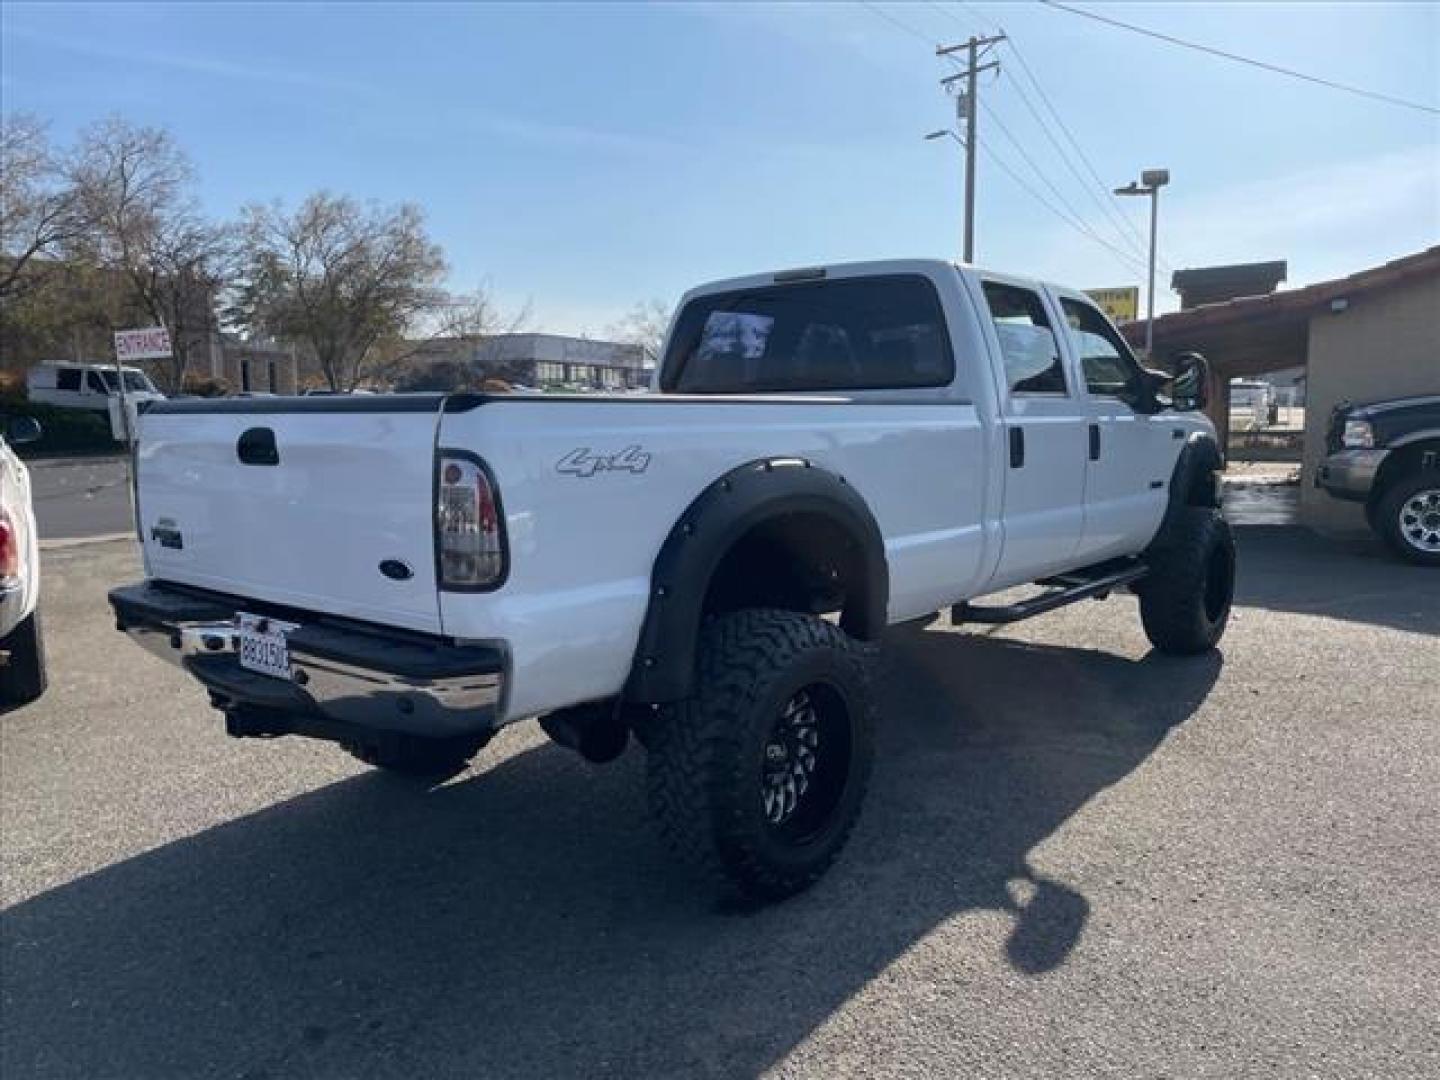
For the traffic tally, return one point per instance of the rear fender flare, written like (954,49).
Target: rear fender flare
(663,669)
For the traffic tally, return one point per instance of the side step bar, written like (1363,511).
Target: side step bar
(1097,582)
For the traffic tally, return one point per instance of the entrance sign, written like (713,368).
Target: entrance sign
(149,343)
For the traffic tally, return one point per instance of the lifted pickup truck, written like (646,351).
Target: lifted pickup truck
(1386,454)
(709,568)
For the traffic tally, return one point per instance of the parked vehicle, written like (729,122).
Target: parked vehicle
(87,386)
(708,568)
(1386,454)
(1256,398)
(22,649)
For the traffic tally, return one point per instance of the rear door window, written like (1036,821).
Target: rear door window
(67,378)
(868,333)
(94,382)
(1027,340)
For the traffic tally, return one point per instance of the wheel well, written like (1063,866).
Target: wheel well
(804,562)
(1401,462)
(780,533)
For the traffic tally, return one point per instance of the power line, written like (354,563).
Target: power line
(1109,206)
(1261,64)
(1111,213)
(906,27)
(1126,260)
(1077,220)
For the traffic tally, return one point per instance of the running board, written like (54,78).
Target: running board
(1098,582)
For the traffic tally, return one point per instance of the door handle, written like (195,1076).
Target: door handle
(1094,442)
(1017,447)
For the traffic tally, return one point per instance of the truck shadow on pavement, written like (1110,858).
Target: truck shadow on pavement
(1351,577)
(522,921)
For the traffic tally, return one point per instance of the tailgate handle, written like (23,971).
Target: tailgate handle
(257,447)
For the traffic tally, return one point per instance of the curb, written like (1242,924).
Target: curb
(61,460)
(64,542)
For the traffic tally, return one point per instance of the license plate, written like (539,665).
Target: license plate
(262,645)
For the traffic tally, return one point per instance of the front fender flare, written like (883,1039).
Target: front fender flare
(1195,481)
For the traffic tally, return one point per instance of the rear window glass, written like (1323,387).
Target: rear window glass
(870,333)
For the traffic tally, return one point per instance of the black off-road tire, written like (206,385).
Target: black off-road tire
(1386,518)
(1185,598)
(712,759)
(411,755)
(22,675)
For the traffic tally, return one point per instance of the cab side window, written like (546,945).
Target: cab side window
(1027,341)
(67,378)
(94,383)
(1108,364)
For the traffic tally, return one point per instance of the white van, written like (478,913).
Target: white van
(86,386)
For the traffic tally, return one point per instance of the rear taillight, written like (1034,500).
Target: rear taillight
(469,531)
(9,549)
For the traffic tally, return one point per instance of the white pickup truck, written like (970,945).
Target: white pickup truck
(709,568)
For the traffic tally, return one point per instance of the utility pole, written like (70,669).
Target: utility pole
(967,110)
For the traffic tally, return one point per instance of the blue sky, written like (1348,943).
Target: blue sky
(586,157)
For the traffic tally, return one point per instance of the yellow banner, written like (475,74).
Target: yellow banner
(1122,305)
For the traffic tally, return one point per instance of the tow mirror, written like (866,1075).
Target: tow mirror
(1190,387)
(22,429)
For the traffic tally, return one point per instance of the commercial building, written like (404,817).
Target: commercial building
(547,361)
(1370,336)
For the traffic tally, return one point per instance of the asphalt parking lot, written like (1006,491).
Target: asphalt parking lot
(1078,859)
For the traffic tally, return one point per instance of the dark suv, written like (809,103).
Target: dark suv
(1386,454)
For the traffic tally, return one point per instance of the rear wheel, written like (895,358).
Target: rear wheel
(759,778)
(22,676)
(1407,516)
(411,755)
(1186,596)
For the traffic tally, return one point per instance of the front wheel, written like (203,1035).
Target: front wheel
(1186,596)
(1407,516)
(22,662)
(759,777)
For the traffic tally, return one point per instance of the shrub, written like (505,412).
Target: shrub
(63,431)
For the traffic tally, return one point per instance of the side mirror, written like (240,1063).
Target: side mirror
(22,429)
(1190,388)
(1142,391)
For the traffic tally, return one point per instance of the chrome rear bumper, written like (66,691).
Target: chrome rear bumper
(353,676)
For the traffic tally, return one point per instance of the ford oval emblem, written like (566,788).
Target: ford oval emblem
(397,570)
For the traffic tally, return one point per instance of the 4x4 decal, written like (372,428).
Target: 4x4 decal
(581,462)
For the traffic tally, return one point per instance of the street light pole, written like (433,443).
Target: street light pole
(1151,181)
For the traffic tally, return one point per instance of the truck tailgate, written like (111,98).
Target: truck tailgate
(297,502)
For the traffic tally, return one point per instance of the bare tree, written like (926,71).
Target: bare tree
(645,325)
(339,276)
(39,208)
(133,184)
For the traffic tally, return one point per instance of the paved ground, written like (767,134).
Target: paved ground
(78,497)
(1078,860)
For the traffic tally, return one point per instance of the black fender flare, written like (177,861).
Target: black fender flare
(1195,481)
(663,669)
